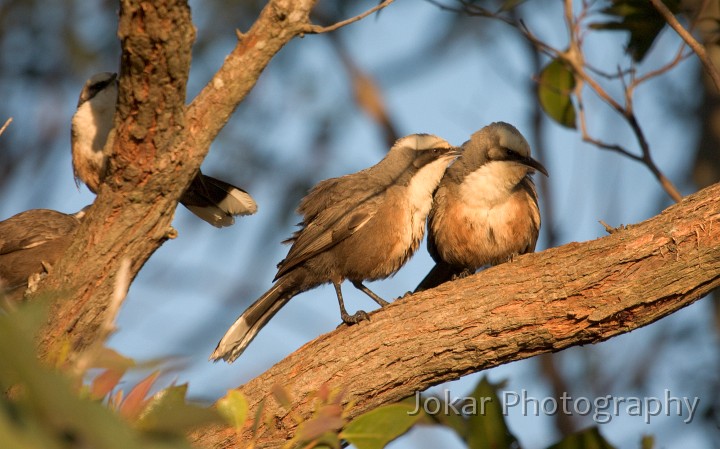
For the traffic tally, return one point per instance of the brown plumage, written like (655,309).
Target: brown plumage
(358,227)
(485,210)
(215,201)
(30,242)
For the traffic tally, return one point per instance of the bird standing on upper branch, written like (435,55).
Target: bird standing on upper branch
(362,226)
(485,210)
(213,200)
(30,243)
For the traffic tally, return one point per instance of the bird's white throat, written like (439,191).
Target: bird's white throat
(492,183)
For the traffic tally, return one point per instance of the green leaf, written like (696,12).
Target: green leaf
(640,19)
(487,427)
(647,442)
(586,439)
(556,83)
(442,413)
(378,427)
(168,412)
(49,414)
(507,5)
(234,408)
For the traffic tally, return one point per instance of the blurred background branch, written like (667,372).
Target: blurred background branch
(421,68)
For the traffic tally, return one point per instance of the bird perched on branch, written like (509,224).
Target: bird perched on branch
(211,199)
(362,226)
(485,210)
(30,243)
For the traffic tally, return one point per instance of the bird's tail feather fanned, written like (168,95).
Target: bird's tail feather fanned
(247,326)
(216,201)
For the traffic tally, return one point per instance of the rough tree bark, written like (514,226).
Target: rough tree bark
(575,294)
(157,149)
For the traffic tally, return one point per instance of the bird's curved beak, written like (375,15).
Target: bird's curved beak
(532,163)
(455,151)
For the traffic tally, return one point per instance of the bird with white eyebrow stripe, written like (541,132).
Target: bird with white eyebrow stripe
(213,200)
(359,227)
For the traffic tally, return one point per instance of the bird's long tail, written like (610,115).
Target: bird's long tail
(247,326)
(216,201)
(440,273)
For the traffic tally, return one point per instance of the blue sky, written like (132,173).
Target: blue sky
(194,287)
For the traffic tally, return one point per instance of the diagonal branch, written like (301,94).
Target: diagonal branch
(690,40)
(158,147)
(279,22)
(572,295)
(317,29)
(5,125)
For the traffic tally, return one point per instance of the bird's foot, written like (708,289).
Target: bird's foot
(463,274)
(358,316)
(34,282)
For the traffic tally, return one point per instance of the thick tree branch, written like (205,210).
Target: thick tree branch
(576,294)
(279,22)
(131,215)
(158,147)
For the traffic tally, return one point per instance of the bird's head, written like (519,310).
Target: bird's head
(100,82)
(502,143)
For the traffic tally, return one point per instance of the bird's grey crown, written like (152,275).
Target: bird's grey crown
(96,84)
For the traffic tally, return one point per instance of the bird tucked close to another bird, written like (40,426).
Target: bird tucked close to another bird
(211,199)
(30,243)
(485,210)
(362,226)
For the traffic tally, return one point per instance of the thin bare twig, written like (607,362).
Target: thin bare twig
(689,39)
(661,70)
(629,115)
(586,137)
(574,57)
(542,46)
(317,29)
(7,123)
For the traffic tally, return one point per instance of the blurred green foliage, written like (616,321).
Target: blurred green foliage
(41,408)
(555,86)
(640,19)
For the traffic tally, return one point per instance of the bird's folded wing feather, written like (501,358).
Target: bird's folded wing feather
(329,228)
(33,228)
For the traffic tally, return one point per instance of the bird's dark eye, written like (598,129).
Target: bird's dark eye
(509,153)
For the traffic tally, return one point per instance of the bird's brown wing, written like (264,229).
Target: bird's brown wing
(33,228)
(330,227)
(329,193)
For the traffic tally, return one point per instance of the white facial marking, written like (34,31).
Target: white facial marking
(492,183)
(420,191)
(92,123)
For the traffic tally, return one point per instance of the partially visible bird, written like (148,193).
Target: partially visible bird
(485,210)
(211,199)
(30,243)
(362,226)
